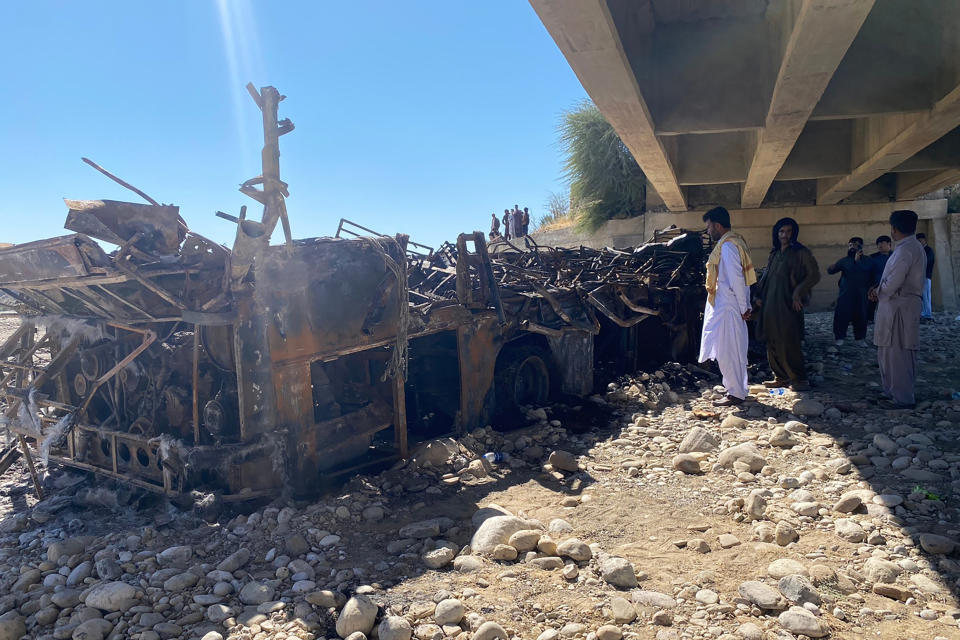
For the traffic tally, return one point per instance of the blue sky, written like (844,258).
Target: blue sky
(421,117)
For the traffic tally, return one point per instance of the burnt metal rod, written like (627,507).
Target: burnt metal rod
(122,183)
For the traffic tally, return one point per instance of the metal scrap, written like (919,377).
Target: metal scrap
(173,363)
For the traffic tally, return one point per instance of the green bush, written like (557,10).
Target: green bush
(605,181)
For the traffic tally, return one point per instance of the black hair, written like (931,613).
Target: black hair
(856,239)
(720,215)
(904,221)
(783,222)
(883,239)
(921,236)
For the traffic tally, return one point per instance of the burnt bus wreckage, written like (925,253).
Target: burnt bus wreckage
(174,363)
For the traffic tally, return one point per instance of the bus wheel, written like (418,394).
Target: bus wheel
(522,377)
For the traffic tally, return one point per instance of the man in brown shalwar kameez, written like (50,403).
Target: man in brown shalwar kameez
(784,290)
(897,324)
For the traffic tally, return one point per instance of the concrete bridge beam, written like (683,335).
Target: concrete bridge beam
(822,32)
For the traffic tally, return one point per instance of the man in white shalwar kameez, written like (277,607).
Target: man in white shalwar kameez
(729,276)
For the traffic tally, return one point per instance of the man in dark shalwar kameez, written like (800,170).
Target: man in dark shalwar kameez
(896,328)
(785,287)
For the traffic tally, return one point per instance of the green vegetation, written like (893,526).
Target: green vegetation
(605,181)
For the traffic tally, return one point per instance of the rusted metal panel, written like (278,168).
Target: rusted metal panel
(51,259)
(573,353)
(153,229)
(478,344)
(327,295)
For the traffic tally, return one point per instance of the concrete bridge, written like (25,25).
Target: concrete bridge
(764,104)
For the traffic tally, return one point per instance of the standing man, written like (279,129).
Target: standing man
(854,283)
(507,224)
(525,221)
(878,261)
(784,290)
(729,276)
(494,226)
(926,308)
(897,328)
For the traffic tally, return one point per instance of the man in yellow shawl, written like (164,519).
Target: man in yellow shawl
(729,276)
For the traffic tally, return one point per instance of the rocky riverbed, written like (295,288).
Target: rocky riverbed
(642,513)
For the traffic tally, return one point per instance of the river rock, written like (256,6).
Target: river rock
(609,632)
(686,463)
(255,593)
(618,572)
(782,438)
(933,543)
(358,614)
(798,589)
(880,570)
(217,613)
(504,552)
(439,557)
(425,528)
(761,595)
(108,569)
(490,631)
(698,439)
(746,453)
(12,628)
(177,557)
(849,530)
(68,547)
(622,610)
(848,502)
(563,461)
(394,628)
(785,567)
(496,530)
(525,540)
(95,629)
(807,407)
(111,596)
(574,549)
(799,620)
(80,572)
(234,561)
(653,599)
(467,564)
(449,611)
(180,582)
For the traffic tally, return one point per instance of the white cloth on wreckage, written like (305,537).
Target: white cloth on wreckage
(724,336)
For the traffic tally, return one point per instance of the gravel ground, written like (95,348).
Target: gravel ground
(643,513)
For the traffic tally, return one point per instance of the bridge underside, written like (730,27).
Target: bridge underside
(759,103)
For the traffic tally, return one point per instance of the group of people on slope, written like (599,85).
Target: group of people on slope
(784,291)
(858,275)
(516,223)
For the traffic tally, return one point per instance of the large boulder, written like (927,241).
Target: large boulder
(497,530)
